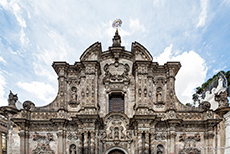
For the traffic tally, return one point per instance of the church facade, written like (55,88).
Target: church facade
(116,102)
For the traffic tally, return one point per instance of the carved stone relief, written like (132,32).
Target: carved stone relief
(116,73)
(43,143)
(189,143)
(116,130)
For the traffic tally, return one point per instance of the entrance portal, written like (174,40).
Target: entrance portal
(116,151)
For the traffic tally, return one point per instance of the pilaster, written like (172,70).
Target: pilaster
(92,142)
(24,144)
(146,151)
(86,143)
(60,136)
(139,142)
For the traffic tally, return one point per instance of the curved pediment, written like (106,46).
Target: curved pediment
(140,52)
(92,53)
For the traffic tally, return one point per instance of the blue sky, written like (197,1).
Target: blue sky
(35,33)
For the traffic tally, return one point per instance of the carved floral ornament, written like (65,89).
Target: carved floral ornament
(116,73)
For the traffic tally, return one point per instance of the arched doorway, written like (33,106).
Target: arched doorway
(116,151)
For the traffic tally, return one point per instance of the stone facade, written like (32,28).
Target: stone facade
(85,119)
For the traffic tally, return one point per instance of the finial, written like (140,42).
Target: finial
(117,39)
(117,23)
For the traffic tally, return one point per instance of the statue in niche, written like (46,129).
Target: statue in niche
(74,93)
(159,94)
(73,96)
(160,149)
(72,149)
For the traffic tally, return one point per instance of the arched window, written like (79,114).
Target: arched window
(116,102)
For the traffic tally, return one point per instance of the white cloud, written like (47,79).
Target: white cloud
(24,40)
(218,70)
(3,100)
(203,14)
(2,60)
(136,26)
(191,75)
(157,2)
(15,9)
(43,91)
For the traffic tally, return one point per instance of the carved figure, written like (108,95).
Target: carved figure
(74,94)
(159,94)
(12,99)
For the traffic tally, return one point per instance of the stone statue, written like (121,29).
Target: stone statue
(12,99)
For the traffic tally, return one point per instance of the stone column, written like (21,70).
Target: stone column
(139,142)
(24,145)
(60,136)
(227,133)
(92,142)
(146,143)
(86,141)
